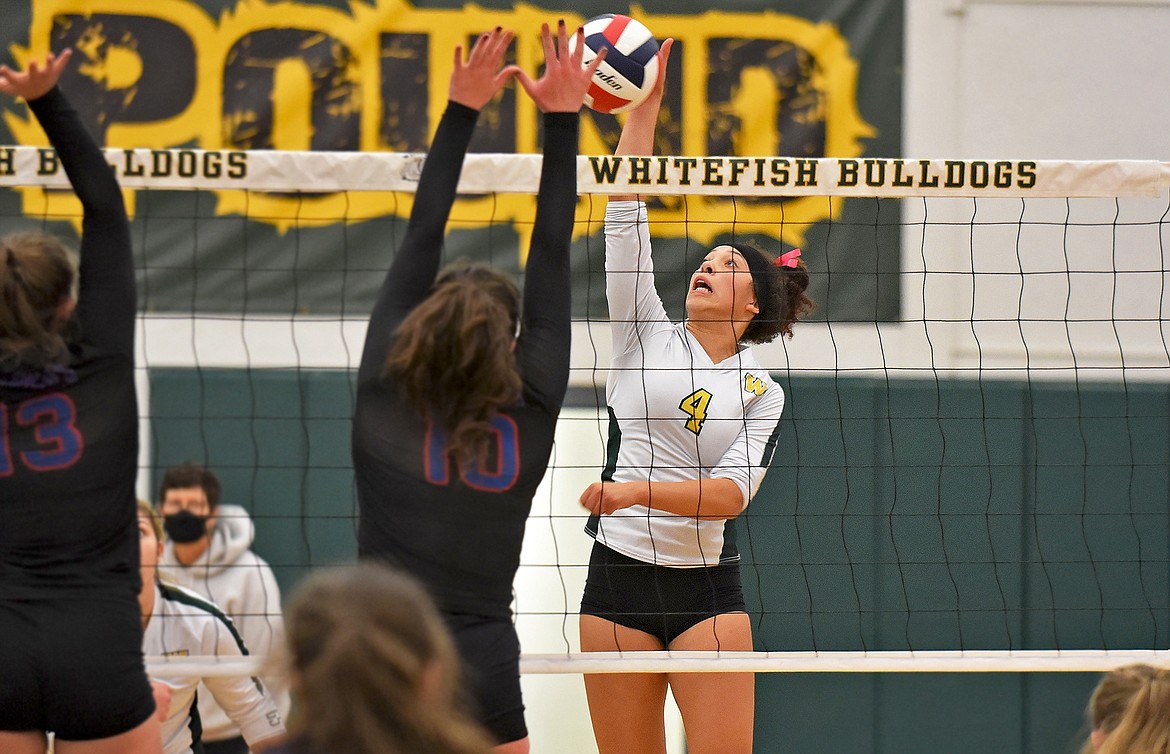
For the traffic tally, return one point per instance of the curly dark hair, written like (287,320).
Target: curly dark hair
(780,295)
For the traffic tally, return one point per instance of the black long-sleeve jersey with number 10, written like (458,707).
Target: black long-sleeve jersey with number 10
(459,527)
(69,436)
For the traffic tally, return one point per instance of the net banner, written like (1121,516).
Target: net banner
(799,77)
(328,172)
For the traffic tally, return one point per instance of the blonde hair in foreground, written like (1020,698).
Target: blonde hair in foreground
(373,667)
(1130,712)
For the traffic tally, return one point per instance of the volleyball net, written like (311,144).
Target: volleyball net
(974,467)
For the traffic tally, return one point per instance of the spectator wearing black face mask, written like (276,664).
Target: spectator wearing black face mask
(208,551)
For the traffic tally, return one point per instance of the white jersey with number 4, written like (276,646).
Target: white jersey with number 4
(674,414)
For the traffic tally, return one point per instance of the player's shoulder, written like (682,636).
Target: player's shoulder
(183,601)
(761,387)
(200,617)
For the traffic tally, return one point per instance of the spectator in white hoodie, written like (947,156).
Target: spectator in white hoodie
(208,551)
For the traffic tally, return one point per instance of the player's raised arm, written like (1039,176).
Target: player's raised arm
(106,301)
(543,350)
(474,81)
(638,132)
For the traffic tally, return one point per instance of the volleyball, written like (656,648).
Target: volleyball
(630,69)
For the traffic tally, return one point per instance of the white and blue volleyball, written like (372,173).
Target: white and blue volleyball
(630,69)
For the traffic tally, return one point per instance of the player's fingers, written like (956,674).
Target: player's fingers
(546,42)
(589,69)
(562,39)
(64,56)
(492,49)
(458,57)
(500,41)
(589,499)
(578,47)
(664,57)
(57,63)
(512,71)
(525,81)
(479,49)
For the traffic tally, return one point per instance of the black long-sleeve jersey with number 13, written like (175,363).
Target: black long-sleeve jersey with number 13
(69,436)
(459,527)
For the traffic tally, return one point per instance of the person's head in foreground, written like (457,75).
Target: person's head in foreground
(1130,712)
(373,667)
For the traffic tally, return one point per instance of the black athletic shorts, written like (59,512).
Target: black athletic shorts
(490,651)
(73,666)
(658,600)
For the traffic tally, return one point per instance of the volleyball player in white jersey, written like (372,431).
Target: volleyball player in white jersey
(180,623)
(694,420)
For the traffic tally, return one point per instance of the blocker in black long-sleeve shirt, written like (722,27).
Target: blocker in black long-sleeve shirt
(69,435)
(460,529)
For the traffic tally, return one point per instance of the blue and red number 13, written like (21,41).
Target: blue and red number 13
(53,419)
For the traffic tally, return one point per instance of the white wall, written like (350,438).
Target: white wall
(1038,79)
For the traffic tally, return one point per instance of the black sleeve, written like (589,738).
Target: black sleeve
(106,298)
(417,262)
(543,350)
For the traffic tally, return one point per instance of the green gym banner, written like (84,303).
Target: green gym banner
(798,78)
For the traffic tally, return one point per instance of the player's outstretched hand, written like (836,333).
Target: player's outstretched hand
(37,80)
(562,87)
(476,81)
(649,108)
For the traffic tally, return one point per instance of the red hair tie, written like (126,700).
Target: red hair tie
(788,259)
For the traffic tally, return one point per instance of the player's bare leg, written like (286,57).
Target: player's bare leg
(24,742)
(718,709)
(626,708)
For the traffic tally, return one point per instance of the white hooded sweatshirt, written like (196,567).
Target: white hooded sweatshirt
(242,585)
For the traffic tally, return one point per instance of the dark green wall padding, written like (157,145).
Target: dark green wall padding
(897,515)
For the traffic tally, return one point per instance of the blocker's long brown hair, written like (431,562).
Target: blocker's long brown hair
(36,277)
(453,354)
(375,671)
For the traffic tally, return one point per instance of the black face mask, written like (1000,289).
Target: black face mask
(185,527)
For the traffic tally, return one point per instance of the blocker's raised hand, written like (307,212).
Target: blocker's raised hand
(476,81)
(36,81)
(565,81)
